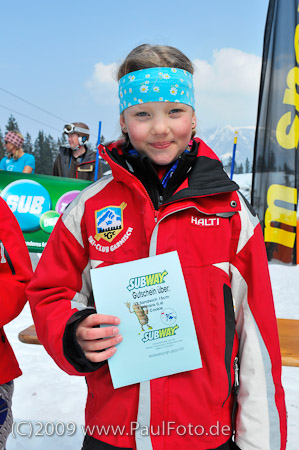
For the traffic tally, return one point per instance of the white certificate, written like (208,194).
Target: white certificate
(150,298)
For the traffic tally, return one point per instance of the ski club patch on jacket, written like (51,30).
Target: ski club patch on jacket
(109,223)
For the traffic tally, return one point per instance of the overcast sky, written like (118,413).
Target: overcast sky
(62,55)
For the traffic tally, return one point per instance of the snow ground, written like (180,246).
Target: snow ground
(45,394)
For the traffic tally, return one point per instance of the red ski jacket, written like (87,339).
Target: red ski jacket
(220,245)
(15,273)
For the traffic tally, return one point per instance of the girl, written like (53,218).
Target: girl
(16,160)
(177,197)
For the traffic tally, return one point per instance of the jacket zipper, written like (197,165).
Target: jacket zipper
(236,372)
(135,179)
(236,392)
(6,258)
(236,381)
(235,364)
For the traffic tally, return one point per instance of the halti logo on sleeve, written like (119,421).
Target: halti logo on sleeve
(205,222)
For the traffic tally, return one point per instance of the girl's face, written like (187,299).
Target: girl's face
(159,130)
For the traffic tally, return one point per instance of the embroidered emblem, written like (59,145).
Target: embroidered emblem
(109,222)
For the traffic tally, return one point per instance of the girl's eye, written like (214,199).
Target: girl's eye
(142,114)
(176,110)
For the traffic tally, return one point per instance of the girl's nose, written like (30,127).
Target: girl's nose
(160,126)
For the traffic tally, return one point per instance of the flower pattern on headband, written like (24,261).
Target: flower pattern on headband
(144,88)
(156,84)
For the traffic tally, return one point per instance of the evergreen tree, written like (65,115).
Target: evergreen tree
(260,166)
(247,166)
(12,124)
(240,168)
(43,154)
(94,144)
(38,143)
(28,146)
(61,142)
(53,152)
(227,164)
(2,149)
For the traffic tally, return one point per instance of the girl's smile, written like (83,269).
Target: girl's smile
(161,145)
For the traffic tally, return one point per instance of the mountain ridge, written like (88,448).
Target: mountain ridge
(221,141)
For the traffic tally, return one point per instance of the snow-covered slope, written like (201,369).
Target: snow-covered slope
(221,140)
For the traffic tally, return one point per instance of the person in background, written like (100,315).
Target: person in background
(77,160)
(16,160)
(15,273)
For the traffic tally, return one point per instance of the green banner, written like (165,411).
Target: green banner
(37,201)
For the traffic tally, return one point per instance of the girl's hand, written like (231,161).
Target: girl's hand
(98,343)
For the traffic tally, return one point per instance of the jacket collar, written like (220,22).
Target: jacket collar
(88,155)
(206,176)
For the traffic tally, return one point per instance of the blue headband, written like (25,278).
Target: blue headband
(157,84)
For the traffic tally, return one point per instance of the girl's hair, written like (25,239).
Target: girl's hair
(17,152)
(146,56)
